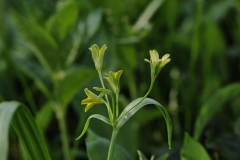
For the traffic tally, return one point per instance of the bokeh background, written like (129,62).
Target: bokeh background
(42,41)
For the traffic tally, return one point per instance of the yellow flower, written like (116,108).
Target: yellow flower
(113,79)
(97,55)
(91,99)
(157,64)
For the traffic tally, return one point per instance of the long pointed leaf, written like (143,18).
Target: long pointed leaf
(30,137)
(215,103)
(129,111)
(97,116)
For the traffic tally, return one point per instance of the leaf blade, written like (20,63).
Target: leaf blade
(192,149)
(129,111)
(97,116)
(30,137)
(211,106)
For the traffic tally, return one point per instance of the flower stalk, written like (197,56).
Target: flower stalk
(113,79)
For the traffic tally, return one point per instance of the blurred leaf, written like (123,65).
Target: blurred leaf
(193,150)
(215,103)
(30,137)
(97,148)
(218,10)
(35,72)
(72,82)
(163,157)
(141,155)
(63,20)
(43,44)
(92,23)
(44,116)
(227,145)
(85,29)
(143,20)
(129,111)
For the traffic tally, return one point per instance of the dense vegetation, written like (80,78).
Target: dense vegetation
(45,63)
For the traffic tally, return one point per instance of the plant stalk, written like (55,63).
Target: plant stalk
(112,143)
(64,135)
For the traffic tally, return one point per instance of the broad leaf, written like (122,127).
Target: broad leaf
(72,82)
(192,149)
(97,116)
(97,148)
(215,103)
(131,109)
(62,21)
(43,44)
(30,137)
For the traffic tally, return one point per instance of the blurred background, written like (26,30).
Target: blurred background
(44,43)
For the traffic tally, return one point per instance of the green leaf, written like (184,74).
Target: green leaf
(63,20)
(129,111)
(97,116)
(215,103)
(163,157)
(36,72)
(72,82)
(30,137)
(97,148)
(141,155)
(43,45)
(192,149)
(44,116)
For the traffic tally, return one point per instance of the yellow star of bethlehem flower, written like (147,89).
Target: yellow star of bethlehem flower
(113,79)
(157,64)
(91,99)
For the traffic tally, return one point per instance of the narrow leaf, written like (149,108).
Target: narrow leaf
(215,103)
(192,149)
(97,116)
(130,110)
(30,137)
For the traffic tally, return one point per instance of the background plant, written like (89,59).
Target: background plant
(201,91)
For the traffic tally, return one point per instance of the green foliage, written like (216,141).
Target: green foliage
(192,149)
(214,103)
(45,63)
(31,138)
(97,148)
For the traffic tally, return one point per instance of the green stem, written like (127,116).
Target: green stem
(101,79)
(117,97)
(112,143)
(63,132)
